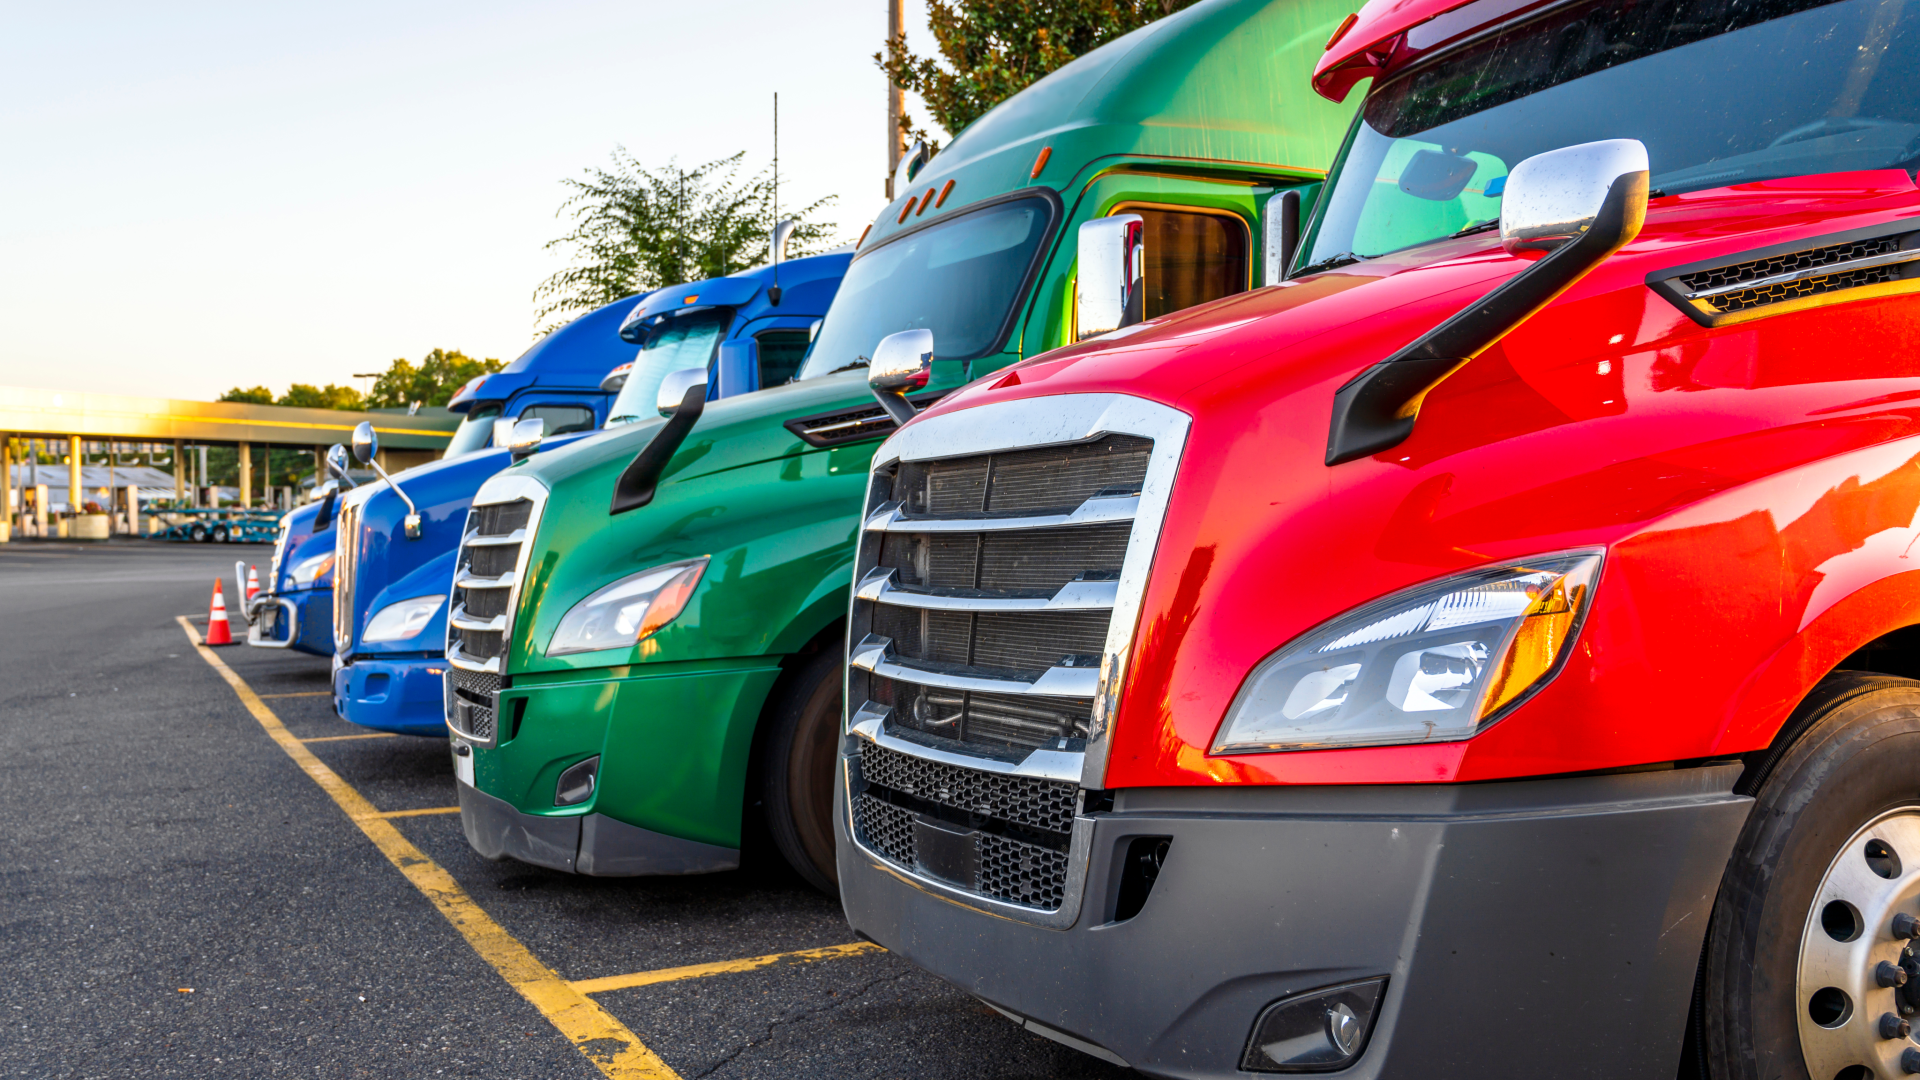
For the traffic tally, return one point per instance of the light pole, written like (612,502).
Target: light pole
(896,97)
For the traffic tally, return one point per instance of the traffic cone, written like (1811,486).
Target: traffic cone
(253,584)
(217,632)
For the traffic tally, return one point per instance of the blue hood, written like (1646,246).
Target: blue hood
(575,357)
(392,568)
(302,544)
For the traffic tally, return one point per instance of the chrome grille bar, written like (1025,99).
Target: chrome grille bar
(501,525)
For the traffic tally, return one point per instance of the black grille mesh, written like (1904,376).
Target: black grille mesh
(1023,800)
(1013,721)
(885,828)
(1016,562)
(1025,642)
(1746,299)
(500,519)
(492,560)
(1022,873)
(475,685)
(1053,478)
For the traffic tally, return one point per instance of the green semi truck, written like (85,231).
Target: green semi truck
(648,626)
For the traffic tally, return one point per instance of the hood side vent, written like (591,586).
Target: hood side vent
(1881,261)
(858,424)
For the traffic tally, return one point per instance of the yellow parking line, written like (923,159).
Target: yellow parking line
(701,971)
(340,738)
(605,1041)
(418,813)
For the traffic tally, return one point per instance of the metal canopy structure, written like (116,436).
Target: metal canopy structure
(58,413)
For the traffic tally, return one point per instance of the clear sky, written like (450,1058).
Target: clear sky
(197,195)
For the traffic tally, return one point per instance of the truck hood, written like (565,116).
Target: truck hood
(1579,429)
(302,544)
(443,490)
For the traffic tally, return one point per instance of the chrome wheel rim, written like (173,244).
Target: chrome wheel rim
(1851,1022)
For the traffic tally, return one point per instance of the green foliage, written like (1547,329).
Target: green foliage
(994,49)
(636,229)
(259,395)
(432,382)
(308,396)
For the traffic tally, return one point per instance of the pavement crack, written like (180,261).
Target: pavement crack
(804,1014)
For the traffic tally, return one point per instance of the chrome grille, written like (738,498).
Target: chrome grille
(346,568)
(486,587)
(994,586)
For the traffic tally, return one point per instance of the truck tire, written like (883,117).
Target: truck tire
(198,532)
(801,749)
(1803,931)
(220,534)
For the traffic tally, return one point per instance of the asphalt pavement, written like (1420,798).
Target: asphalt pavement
(179,899)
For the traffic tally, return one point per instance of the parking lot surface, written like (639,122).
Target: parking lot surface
(182,898)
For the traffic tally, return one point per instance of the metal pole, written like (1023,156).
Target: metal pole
(896,97)
(200,479)
(179,474)
(6,493)
(73,477)
(246,475)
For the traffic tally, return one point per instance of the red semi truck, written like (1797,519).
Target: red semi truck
(1491,651)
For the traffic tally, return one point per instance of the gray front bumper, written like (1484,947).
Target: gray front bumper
(1531,928)
(591,844)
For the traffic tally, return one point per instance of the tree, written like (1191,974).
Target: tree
(433,382)
(994,49)
(636,228)
(308,396)
(259,395)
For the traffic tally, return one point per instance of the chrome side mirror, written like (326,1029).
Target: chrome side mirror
(524,437)
(1283,233)
(337,463)
(365,443)
(1579,204)
(1553,198)
(1113,260)
(675,387)
(901,364)
(616,378)
(502,432)
(365,446)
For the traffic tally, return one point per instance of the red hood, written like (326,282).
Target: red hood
(1574,431)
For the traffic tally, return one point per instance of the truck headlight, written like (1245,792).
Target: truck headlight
(629,610)
(402,619)
(308,571)
(1434,663)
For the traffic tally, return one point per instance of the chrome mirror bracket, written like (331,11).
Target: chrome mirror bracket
(1579,204)
(901,364)
(366,445)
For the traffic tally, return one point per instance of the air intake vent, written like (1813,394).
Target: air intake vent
(843,426)
(1848,267)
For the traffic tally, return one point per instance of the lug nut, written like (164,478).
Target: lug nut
(1889,974)
(1892,1027)
(1910,1060)
(1906,926)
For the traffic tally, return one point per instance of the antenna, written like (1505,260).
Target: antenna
(773,238)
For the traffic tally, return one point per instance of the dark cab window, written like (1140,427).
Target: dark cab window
(561,419)
(781,352)
(1192,257)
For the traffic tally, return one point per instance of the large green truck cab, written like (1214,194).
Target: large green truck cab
(665,604)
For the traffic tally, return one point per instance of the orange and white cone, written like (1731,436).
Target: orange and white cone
(253,584)
(217,630)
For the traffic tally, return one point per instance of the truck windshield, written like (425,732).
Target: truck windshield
(1720,91)
(675,342)
(961,279)
(474,431)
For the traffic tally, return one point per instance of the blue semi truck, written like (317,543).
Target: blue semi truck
(392,581)
(558,381)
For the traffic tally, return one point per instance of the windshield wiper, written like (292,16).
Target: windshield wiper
(1476,227)
(1331,262)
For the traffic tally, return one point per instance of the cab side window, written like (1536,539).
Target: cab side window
(561,419)
(781,352)
(1192,257)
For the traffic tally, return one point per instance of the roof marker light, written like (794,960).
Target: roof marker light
(945,190)
(1346,24)
(1040,162)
